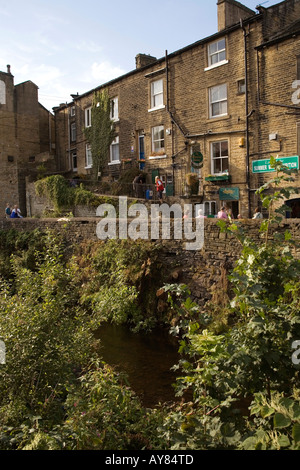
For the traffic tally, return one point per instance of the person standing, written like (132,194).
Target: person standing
(137,186)
(159,187)
(222,213)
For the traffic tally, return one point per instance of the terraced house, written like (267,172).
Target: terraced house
(217,109)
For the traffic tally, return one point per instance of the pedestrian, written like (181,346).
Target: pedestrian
(257,214)
(7,210)
(200,214)
(159,187)
(222,213)
(138,180)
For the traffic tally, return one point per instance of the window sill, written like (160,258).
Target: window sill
(117,162)
(224,177)
(162,106)
(156,157)
(214,66)
(219,118)
(88,167)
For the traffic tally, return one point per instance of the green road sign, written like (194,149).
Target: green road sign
(262,166)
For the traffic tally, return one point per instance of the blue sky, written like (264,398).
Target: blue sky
(66,46)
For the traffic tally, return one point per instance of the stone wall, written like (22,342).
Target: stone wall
(204,271)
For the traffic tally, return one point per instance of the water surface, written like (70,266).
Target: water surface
(145,357)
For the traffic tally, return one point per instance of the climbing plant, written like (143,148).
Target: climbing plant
(101,133)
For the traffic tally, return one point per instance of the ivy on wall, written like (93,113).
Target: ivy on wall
(101,133)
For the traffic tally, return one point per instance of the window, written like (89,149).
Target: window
(74,161)
(216,52)
(157,94)
(88,156)
(158,139)
(88,117)
(2,92)
(241,86)
(114,151)
(114,109)
(219,157)
(218,101)
(73,131)
(210,208)
(72,112)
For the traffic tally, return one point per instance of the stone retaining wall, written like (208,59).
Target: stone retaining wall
(204,271)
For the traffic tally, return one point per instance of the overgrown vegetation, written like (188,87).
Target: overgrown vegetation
(63,196)
(101,133)
(245,385)
(56,393)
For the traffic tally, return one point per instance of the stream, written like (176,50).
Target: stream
(146,358)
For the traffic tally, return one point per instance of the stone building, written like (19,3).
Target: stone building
(26,138)
(213,108)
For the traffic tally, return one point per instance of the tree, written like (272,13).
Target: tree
(101,133)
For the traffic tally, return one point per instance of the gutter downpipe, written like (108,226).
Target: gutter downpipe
(173,122)
(247,117)
(167,86)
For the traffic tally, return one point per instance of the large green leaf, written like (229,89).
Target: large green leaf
(281,421)
(296,432)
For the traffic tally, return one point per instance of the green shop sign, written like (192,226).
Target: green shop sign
(229,194)
(263,166)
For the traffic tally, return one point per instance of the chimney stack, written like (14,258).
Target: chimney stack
(142,60)
(230,12)
(8,68)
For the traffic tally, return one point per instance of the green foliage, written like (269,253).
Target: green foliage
(101,133)
(252,358)
(58,191)
(118,280)
(45,335)
(277,423)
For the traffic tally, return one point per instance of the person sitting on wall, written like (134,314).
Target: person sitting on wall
(15,213)
(7,210)
(222,213)
(257,214)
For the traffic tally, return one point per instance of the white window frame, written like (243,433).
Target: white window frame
(114,109)
(156,143)
(88,156)
(220,157)
(216,57)
(210,208)
(88,116)
(156,95)
(217,90)
(114,146)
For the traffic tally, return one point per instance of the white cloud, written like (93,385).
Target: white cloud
(88,46)
(105,71)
